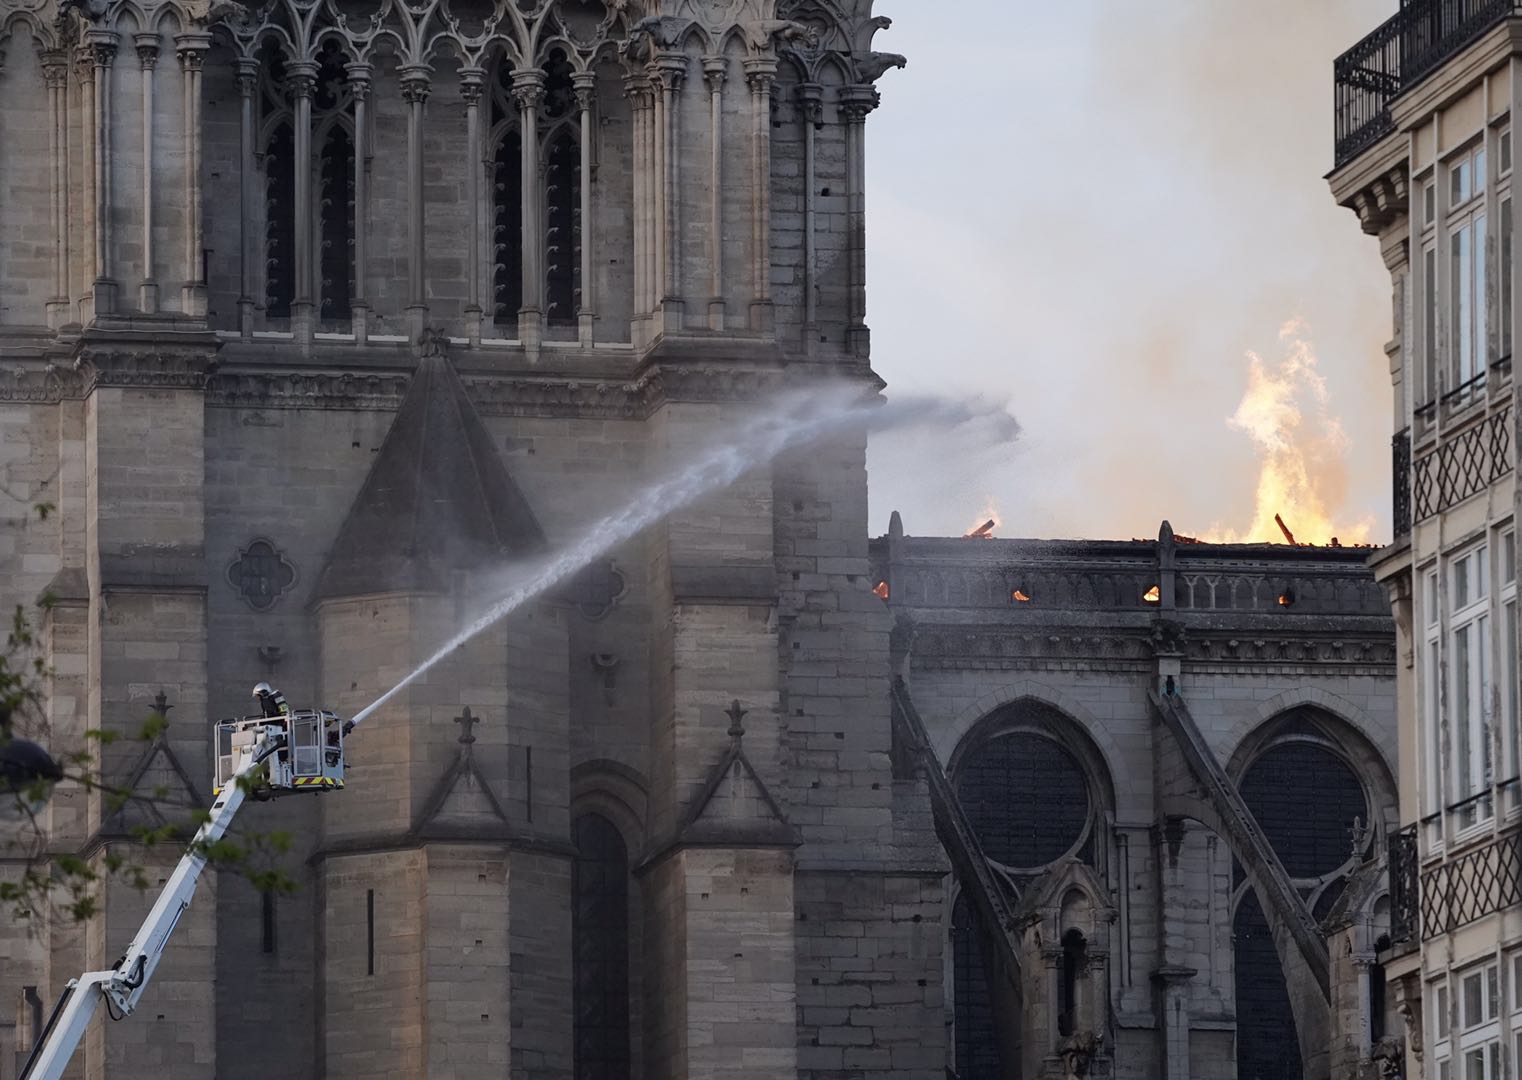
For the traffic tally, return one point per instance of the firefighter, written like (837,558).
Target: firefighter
(271,701)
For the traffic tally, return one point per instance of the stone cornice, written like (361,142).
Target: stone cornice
(175,370)
(1067,648)
(635,398)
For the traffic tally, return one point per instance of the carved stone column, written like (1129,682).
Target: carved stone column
(359,86)
(761,76)
(637,91)
(102,48)
(301,79)
(586,98)
(148,58)
(856,102)
(668,74)
(528,92)
(811,106)
(191,49)
(248,247)
(715,69)
(415,89)
(85,69)
(55,73)
(472,81)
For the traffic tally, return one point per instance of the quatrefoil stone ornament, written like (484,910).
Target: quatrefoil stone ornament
(261,574)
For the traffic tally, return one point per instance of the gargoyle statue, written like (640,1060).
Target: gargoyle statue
(89,10)
(206,12)
(763,32)
(1078,1051)
(870,66)
(650,34)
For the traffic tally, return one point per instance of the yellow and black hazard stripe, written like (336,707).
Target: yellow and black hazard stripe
(317,782)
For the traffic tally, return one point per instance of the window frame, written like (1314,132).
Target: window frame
(1471,760)
(1466,221)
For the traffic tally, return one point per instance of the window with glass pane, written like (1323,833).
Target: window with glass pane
(1440,1011)
(1503,153)
(1465,298)
(1506,278)
(1460,186)
(1429,318)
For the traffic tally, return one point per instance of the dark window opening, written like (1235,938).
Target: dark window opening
(562,241)
(1074,959)
(1277,789)
(507,229)
(1377,992)
(977,1043)
(1268,1046)
(369,931)
(280,221)
(267,921)
(336,221)
(600,951)
(1307,801)
(1026,797)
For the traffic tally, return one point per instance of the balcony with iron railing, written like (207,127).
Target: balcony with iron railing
(1407,48)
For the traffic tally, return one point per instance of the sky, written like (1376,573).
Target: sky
(1096,213)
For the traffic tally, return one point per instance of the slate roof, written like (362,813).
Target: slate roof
(438,499)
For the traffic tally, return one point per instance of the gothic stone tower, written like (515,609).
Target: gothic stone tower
(316,312)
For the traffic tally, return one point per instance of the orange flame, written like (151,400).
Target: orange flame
(1302,471)
(987,521)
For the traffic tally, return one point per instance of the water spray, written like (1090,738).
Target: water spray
(793,419)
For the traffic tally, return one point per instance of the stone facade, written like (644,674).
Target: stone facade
(1424,158)
(1177,759)
(312,316)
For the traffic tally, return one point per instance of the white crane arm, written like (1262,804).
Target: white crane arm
(123,985)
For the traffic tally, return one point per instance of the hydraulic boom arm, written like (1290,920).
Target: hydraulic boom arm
(123,985)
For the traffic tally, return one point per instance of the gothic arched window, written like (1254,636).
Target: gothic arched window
(977,1045)
(507,202)
(279,149)
(332,111)
(600,950)
(280,220)
(562,195)
(1312,838)
(1035,794)
(330,240)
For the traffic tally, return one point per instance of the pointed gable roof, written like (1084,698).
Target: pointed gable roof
(735,809)
(438,499)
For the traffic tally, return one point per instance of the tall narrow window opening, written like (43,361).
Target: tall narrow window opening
(336,213)
(600,951)
(332,120)
(562,194)
(280,221)
(1074,950)
(267,921)
(507,202)
(1377,992)
(976,1044)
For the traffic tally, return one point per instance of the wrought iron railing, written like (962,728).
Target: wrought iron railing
(1400,483)
(1395,57)
(1471,886)
(1405,894)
